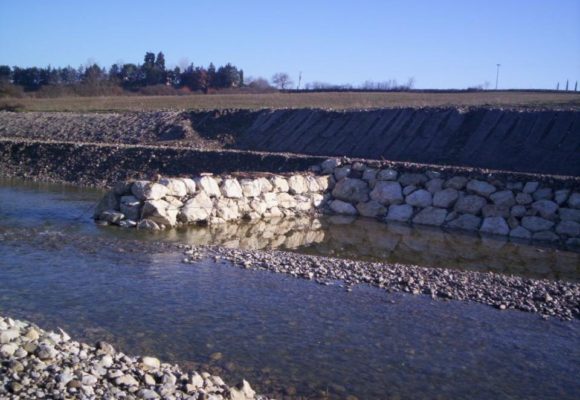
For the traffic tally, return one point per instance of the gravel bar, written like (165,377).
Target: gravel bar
(546,297)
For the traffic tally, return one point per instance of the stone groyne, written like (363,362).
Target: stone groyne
(523,207)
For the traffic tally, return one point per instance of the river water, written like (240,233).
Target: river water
(286,336)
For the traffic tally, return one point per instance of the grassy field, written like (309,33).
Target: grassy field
(337,101)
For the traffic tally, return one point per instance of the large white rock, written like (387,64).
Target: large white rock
(342,207)
(297,184)
(231,188)
(401,213)
(270,199)
(445,198)
(145,190)
(279,183)
(430,216)
(481,188)
(536,224)
(251,187)
(470,204)
(189,185)
(371,209)
(420,198)
(160,211)
(495,226)
(227,209)
(351,190)
(325,182)
(209,185)
(198,208)
(285,200)
(175,187)
(312,184)
(387,192)
(265,185)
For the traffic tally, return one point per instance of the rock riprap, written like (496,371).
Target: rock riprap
(37,364)
(492,204)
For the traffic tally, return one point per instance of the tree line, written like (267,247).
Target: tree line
(128,76)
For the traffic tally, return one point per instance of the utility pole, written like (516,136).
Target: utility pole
(566,84)
(576,86)
(558,86)
(497,76)
(299,80)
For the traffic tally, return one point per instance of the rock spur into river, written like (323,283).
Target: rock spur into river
(37,364)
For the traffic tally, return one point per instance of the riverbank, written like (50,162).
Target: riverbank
(39,364)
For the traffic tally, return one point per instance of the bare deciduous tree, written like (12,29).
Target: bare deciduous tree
(282,80)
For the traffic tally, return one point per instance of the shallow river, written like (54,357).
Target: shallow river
(284,335)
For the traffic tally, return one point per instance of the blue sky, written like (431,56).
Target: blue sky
(442,44)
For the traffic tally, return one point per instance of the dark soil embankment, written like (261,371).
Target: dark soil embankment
(543,141)
(104,164)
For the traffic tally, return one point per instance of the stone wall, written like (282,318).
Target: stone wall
(527,207)
(170,202)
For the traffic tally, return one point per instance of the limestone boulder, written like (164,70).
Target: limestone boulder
(285,200)
(430,216)
(467,222)
(495,226)
(251,187)
(400,213)
(265,185)
(175,187)
(520,233)
(351,190)
(546,208)
(227,209)
(569,228)
(413,179)
(280,184)
(325,182)
(480,188)
(456,182)
(387,192)
(145,190)
(196,209)
(372,209)
(131,207)
(312,184)
(574,200)
(189,185)
(569,214)
(209,185)
(470,204)
(160,212)
(110,201)
(231,188)
(536,224)
(505,198)
(420,198)
(148,224)
(342,207)
(297,184)
(387,175)
(445,198)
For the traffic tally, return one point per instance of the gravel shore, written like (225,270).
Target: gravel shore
(546,297)
(36,364)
